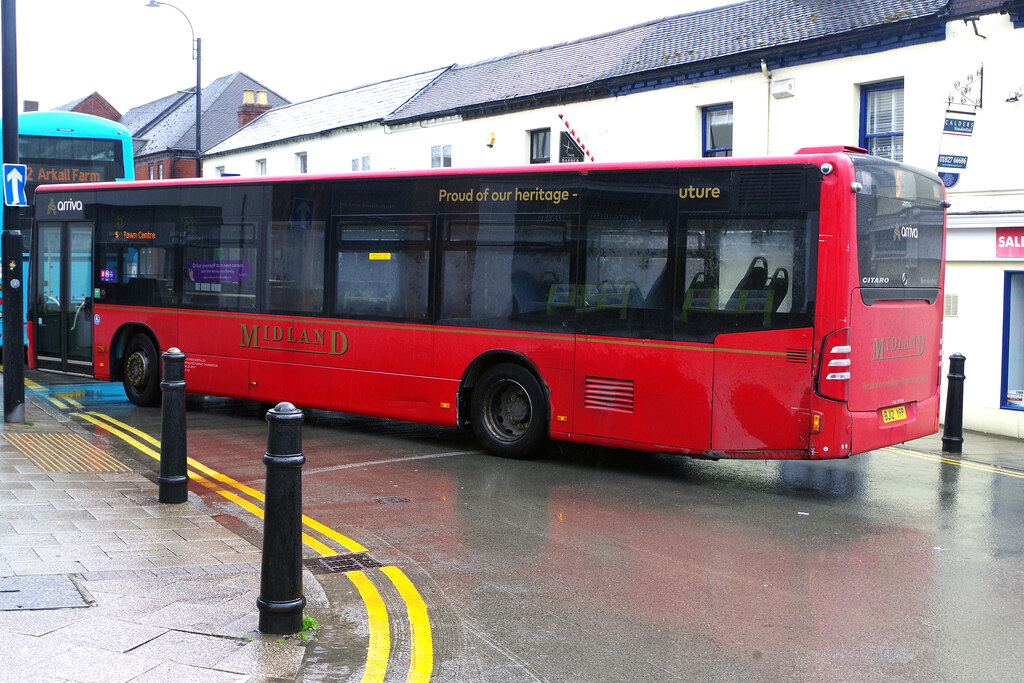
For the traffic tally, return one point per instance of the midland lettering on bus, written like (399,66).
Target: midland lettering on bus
(316,338)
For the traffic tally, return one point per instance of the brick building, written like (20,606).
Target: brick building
(164,130)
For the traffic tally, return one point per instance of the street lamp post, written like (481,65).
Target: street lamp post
(197,43)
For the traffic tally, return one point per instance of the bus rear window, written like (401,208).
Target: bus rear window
(900,223)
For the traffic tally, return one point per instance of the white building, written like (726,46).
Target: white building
(755,78)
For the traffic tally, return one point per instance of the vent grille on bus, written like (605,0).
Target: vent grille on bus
(608,394)
(771,188)
(798,356)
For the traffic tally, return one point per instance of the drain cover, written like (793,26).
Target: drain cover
(39,592)
(343,563)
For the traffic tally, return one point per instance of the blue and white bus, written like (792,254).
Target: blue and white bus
(69,147)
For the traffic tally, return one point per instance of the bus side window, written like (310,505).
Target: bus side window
(296,264)
(750,275)
(626,258)
(382,268)
(296,268)
(220,265)
(506,272)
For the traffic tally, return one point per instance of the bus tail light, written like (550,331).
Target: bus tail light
(834,365)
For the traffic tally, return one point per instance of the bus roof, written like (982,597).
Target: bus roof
(69,124)
(816,158)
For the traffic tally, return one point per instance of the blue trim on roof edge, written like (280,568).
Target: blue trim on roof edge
(1017,17)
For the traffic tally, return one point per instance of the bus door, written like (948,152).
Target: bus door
(759,268)
(637,383)
(63,297)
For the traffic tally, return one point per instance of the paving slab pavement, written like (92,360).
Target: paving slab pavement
(101,582)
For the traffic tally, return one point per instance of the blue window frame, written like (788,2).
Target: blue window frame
(1012,389)
(716,125)
(881,119)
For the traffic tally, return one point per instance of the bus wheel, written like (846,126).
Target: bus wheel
(508,412)
(141,376)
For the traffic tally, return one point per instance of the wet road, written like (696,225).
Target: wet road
(599,565)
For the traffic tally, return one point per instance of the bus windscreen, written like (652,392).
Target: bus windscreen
(70,160)
(899,231)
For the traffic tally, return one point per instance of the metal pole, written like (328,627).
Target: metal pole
(953,425)
(173,479)
(198,47)
(199,107)
(281,601)
(12,246)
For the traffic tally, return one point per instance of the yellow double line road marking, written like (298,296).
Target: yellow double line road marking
(966,464)
(379,646)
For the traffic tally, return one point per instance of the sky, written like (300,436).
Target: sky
(132,54)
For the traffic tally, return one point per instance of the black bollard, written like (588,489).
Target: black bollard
(281,601)
(953,425)
(173,479)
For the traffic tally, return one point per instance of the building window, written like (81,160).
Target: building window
(160,171)
(540,146)
(717,131)
(441,156)
(361,163)
(881,119)
(300,163)
(151,171)
(220,171)
(1013,342)
(261,167)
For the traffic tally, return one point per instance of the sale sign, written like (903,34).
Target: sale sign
(1009,242)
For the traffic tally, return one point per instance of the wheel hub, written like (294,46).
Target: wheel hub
(137,368)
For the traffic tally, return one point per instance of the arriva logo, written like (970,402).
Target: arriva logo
(906,232)
(63,205)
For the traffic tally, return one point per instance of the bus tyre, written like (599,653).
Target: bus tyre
(141,376)
(508,411)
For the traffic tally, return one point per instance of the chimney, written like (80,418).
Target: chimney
(30,105)
(254,103)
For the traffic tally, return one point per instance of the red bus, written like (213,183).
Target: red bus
(770,308)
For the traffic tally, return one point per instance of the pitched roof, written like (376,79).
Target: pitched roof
(169,122)
(365,104)
(673,42)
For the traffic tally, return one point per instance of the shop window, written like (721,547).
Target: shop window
(1013,342)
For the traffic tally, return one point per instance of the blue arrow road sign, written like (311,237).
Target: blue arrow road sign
(14,184)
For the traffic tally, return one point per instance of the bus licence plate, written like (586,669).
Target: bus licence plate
(894,414)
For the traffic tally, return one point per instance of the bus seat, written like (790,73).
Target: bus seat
(144,291)
(779,286)
(526,293)
(755,278)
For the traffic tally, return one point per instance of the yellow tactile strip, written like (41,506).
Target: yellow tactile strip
(64,453)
